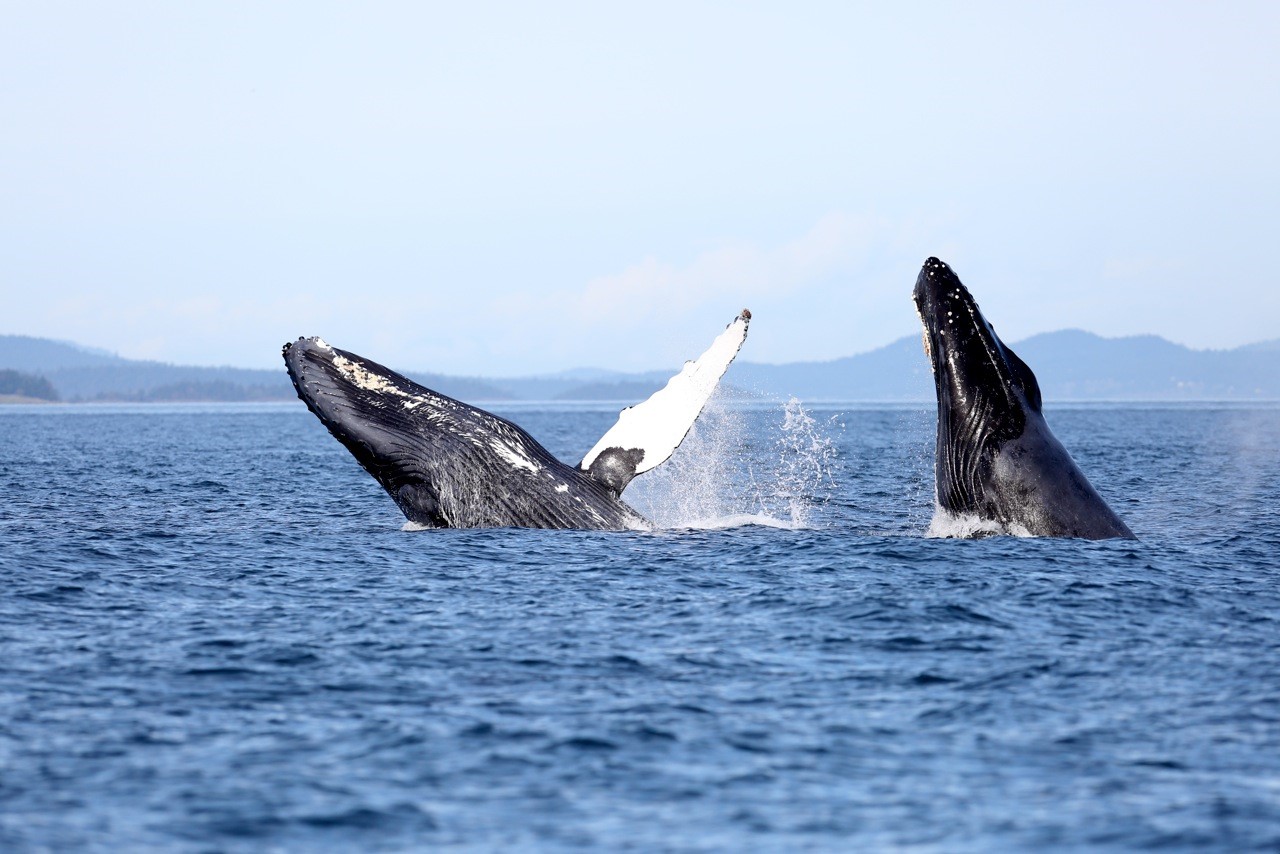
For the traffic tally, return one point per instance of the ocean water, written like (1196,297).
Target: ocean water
(217,636)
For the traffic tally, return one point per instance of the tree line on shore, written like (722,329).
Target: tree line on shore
(19,384)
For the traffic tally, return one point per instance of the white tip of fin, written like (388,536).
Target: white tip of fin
(657,426)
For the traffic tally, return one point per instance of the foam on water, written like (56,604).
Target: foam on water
(740,520)
(969,526)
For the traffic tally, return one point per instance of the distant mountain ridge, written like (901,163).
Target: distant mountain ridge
(28,354)
(1070,365)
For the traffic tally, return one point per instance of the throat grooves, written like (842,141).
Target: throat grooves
(962,455)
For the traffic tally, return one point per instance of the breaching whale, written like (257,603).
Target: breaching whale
(997,463)
(450,465)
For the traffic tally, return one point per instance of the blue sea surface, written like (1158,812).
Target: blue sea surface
(217,636)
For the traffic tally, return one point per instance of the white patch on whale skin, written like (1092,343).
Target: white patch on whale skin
(658,425)
(367,380)
(564,487)
(513,456)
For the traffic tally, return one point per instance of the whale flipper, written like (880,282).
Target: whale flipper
(648,433)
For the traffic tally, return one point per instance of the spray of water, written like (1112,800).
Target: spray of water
(740,466)
(806,459)
(970,526)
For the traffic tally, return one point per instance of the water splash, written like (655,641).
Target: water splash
(732,470)
(970,526)
(806,464)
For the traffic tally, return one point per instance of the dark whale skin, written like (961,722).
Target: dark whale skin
(997,460)
(446,464)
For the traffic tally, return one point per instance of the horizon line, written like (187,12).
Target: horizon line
(557,374)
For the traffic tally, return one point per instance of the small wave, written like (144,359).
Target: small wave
(220,672)
(737,520)
(584,743)
(399,816)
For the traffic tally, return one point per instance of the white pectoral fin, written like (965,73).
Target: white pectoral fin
(648,433)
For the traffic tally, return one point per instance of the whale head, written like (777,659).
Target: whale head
(370,410)
(985,392)
(996,459)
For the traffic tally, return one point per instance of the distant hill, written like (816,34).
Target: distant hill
(147,381)
(80,374)
(1070,364)
(624,390)
(40,355)
(583,384)
(895,372)
(1077,365)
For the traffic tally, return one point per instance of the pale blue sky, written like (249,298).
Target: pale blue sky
(518,188)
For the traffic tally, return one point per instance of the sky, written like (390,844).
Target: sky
(514,189)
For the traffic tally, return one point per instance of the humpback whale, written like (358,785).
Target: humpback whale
(450,465)
(997,463)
